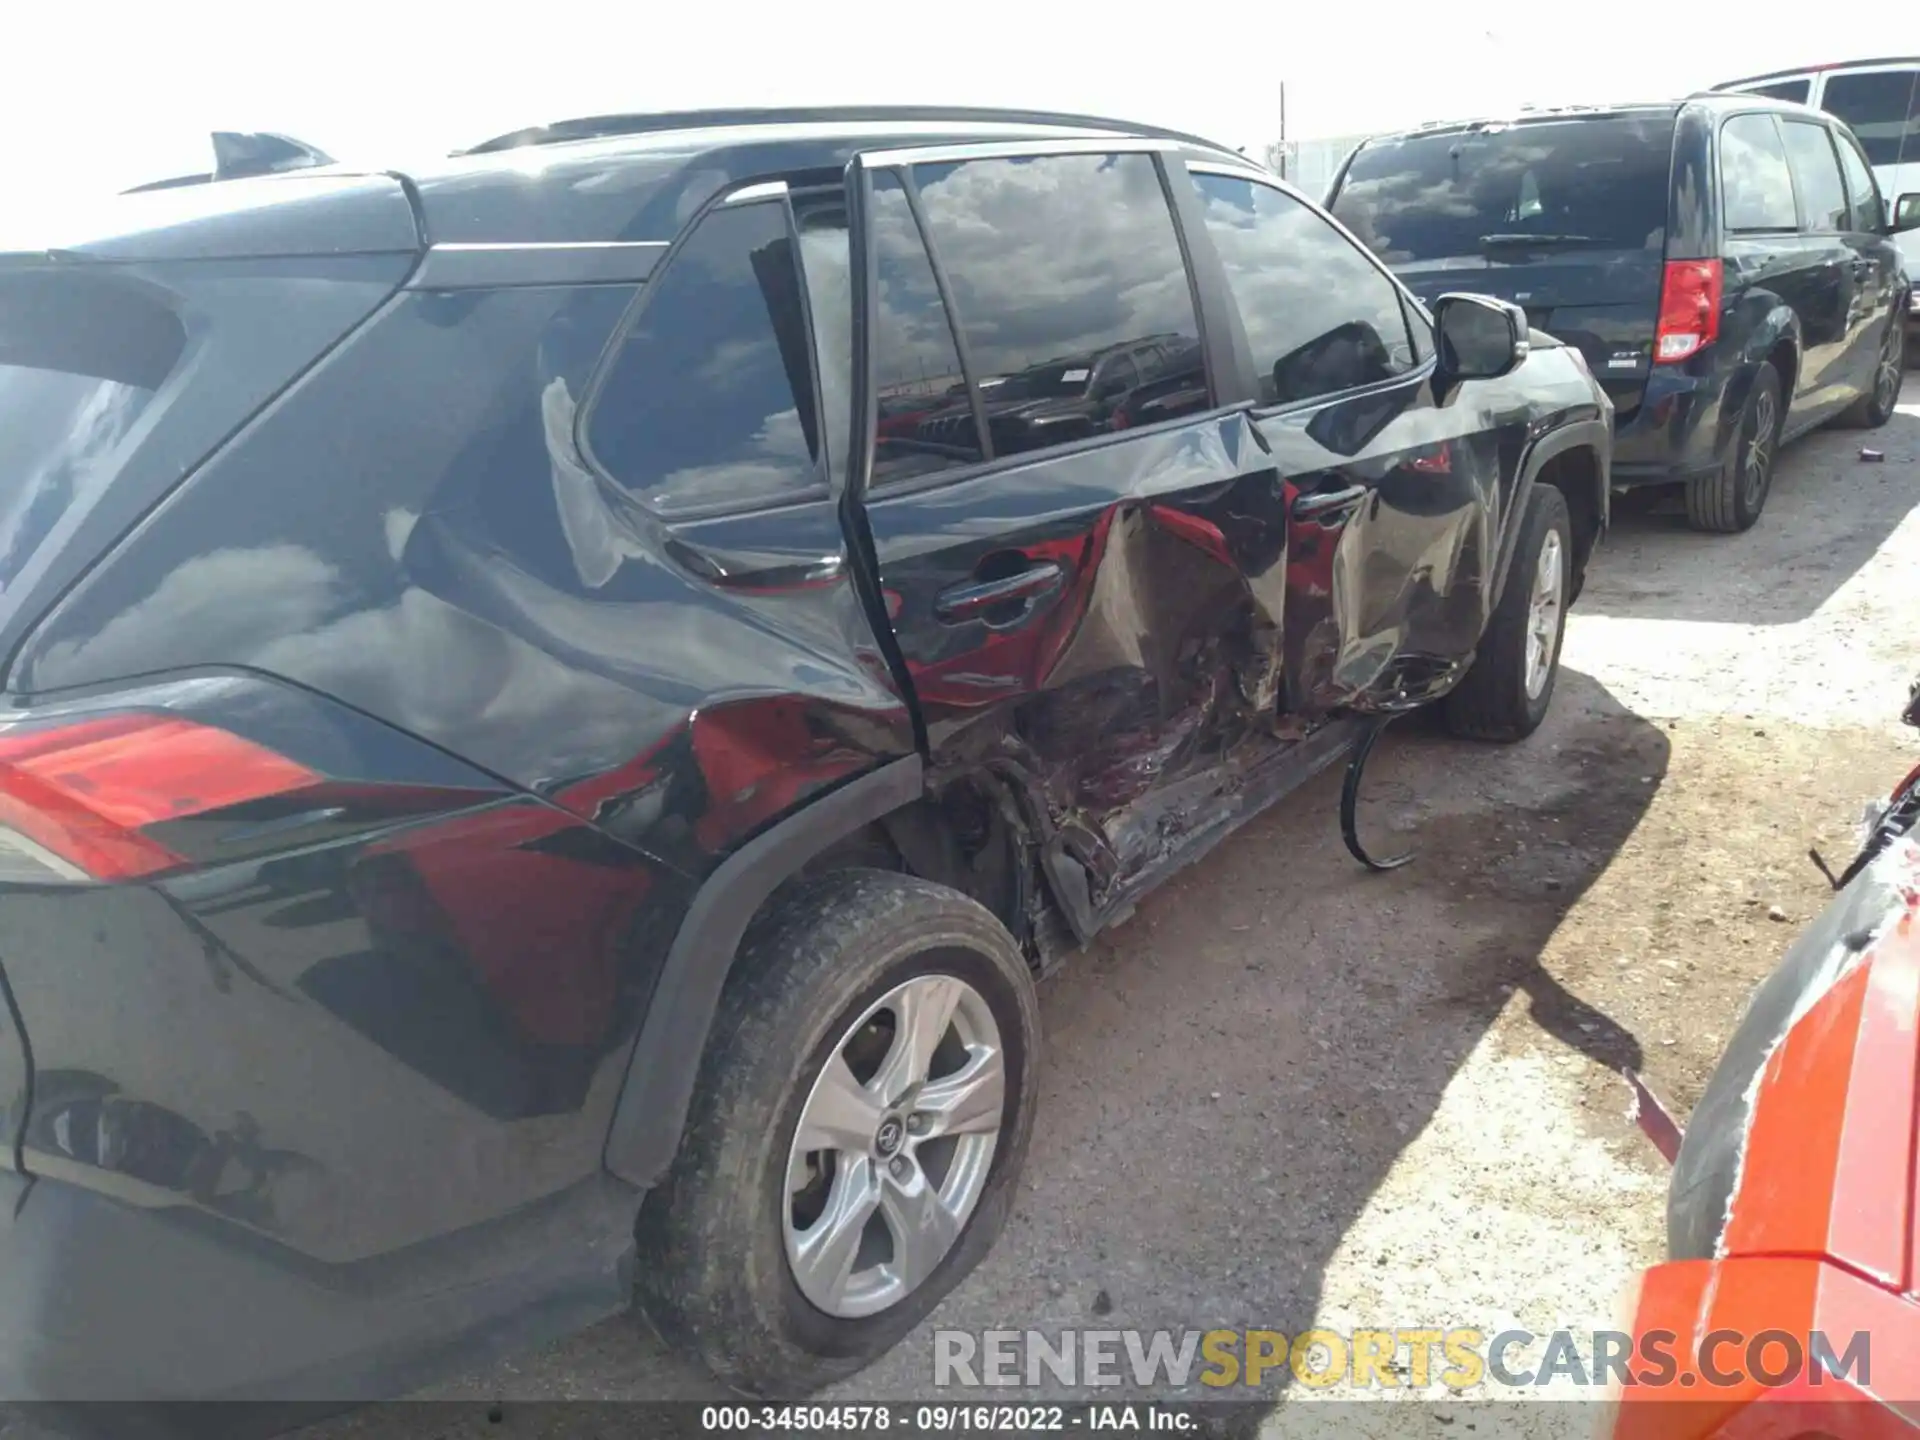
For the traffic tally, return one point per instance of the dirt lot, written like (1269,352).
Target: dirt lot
(1291,1091)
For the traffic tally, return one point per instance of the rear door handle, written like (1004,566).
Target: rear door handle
(1323,505)
(972,600)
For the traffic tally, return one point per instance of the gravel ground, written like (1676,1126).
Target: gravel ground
(1290,1092)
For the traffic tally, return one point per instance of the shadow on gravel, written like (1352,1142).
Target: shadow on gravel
(1231,1075)
(1828,513)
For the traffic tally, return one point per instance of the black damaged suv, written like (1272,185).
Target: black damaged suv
(557,704)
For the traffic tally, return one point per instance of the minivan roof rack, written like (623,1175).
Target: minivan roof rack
(1793,70)
(1529,114)
(595,127)
(239,154)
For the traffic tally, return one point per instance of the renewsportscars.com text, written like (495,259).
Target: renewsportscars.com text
(1458,1359)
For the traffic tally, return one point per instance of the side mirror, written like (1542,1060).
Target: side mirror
(1906,212)
(1480,338)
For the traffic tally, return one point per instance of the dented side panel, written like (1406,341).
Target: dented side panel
(1400,500)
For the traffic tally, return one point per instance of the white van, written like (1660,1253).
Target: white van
(1880,101)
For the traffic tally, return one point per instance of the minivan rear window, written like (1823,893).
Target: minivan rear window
(80,358)
(1599,183)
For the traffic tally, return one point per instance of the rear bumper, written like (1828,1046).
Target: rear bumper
(105,1301)
(1675,434)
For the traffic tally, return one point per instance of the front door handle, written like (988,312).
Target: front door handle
(1323,505)
(974,599)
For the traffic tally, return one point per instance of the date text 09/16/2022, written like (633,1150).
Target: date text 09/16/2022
(948,1419)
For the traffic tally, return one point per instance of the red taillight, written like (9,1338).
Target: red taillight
(1689,309)
(81,793)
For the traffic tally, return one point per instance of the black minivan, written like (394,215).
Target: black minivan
(1724,263)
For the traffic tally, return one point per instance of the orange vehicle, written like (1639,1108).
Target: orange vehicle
(1789,1304)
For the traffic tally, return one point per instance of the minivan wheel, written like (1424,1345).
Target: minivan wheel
(1876,407)
(861,1116)
(1731,499)
(1506,693)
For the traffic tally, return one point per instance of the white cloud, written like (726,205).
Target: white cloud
(105,98)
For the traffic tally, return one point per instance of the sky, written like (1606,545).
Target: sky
(93,98)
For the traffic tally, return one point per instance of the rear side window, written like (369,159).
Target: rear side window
(709,401)
(1795,90)
(1599,183)
(925,421)
(1319,316)
(1066,272)
(1755,183)
(1882,108)
(80,359)
(1862,193)
(1816,174)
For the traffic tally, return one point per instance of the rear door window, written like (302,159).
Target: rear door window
(1055,263)
(1755,183)
(1599,183)
(80,360)
(1320,317)
(709,402)
(925,422)
(1862,193)
(1816,175)
(1882,107)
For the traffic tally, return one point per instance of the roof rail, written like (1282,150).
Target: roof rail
(1793,72)
(594,127)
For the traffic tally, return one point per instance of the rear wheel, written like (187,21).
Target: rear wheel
(1731,499)
(1876,407)
(1506,694)
(861,1118)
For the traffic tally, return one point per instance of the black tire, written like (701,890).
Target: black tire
(1876,407)
(1493,702)
(1731,499)
(713,1272)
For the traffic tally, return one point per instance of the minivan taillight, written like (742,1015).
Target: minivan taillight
(76,798)
(1689,309)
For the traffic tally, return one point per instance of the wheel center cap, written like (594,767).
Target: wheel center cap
(888,1138)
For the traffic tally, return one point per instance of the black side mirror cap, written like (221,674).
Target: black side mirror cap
(1906,213)
(1479,337)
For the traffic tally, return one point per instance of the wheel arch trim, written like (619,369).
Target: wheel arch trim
(1592,434)
(652,1108)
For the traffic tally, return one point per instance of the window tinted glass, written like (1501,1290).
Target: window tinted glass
(80,359)
(1600,182)
(709,401)
(1056,262)
(925,420)
(1816,171)
(1861,191)
(1883,109)
(826,263)
(1319,316)
(1754,180)
(1794,90)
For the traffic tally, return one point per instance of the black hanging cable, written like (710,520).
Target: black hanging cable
(1350,796)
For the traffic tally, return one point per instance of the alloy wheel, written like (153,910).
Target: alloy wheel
(893,1146)
(1758,472)
(1886,377)
(1543,613)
